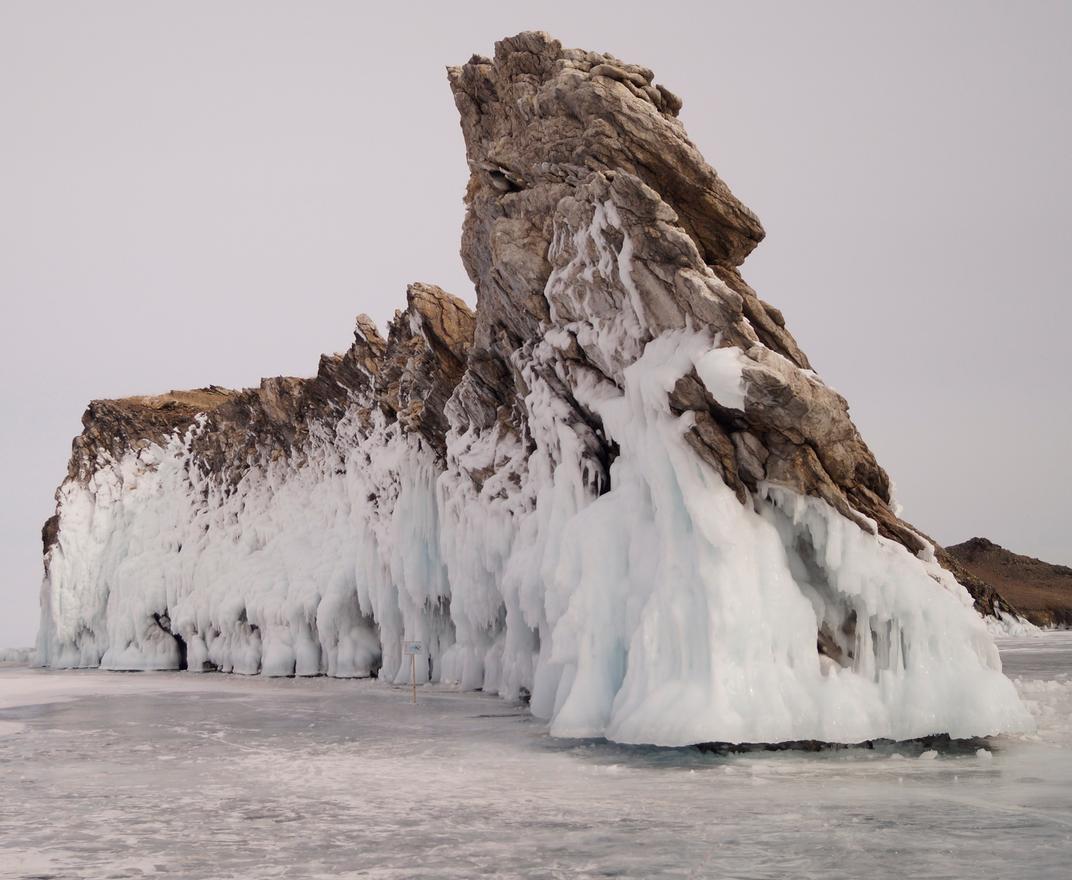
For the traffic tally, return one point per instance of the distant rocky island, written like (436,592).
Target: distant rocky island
(1037,590)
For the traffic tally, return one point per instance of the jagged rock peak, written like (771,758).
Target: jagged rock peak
(427,349)
(553,137)
(419,363)
(540,113)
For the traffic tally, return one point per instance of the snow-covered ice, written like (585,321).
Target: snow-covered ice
(165,774)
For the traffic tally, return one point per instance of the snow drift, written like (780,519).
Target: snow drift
(617,490)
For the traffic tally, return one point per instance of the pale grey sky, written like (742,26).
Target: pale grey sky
(196,193)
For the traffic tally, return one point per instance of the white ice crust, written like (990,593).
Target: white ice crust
(656,609)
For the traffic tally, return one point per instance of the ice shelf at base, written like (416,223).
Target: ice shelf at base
(661,611)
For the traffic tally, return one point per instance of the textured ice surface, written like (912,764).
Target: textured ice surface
(165,775)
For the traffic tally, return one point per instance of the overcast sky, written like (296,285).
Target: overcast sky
(196,193)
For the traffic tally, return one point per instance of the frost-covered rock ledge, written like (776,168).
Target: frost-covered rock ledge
(617,489)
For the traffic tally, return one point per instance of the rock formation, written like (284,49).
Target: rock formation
(1040,591)
(617,490)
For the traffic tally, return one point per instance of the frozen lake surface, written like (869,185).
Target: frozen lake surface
(176,775)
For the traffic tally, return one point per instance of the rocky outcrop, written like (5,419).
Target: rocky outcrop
(212,448)
(1037,590)
(409,377)
(553,136)
(617,489)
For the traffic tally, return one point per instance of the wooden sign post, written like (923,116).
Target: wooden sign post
(413,649)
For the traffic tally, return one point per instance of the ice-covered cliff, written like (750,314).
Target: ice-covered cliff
(617,489)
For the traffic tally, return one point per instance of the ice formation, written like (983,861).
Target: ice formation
(618,490)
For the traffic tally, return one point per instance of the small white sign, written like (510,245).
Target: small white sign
(412,647)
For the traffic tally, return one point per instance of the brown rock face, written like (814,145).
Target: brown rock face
(409,376)
(114,426)
(1038,590)
(427,346)
(554,136)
